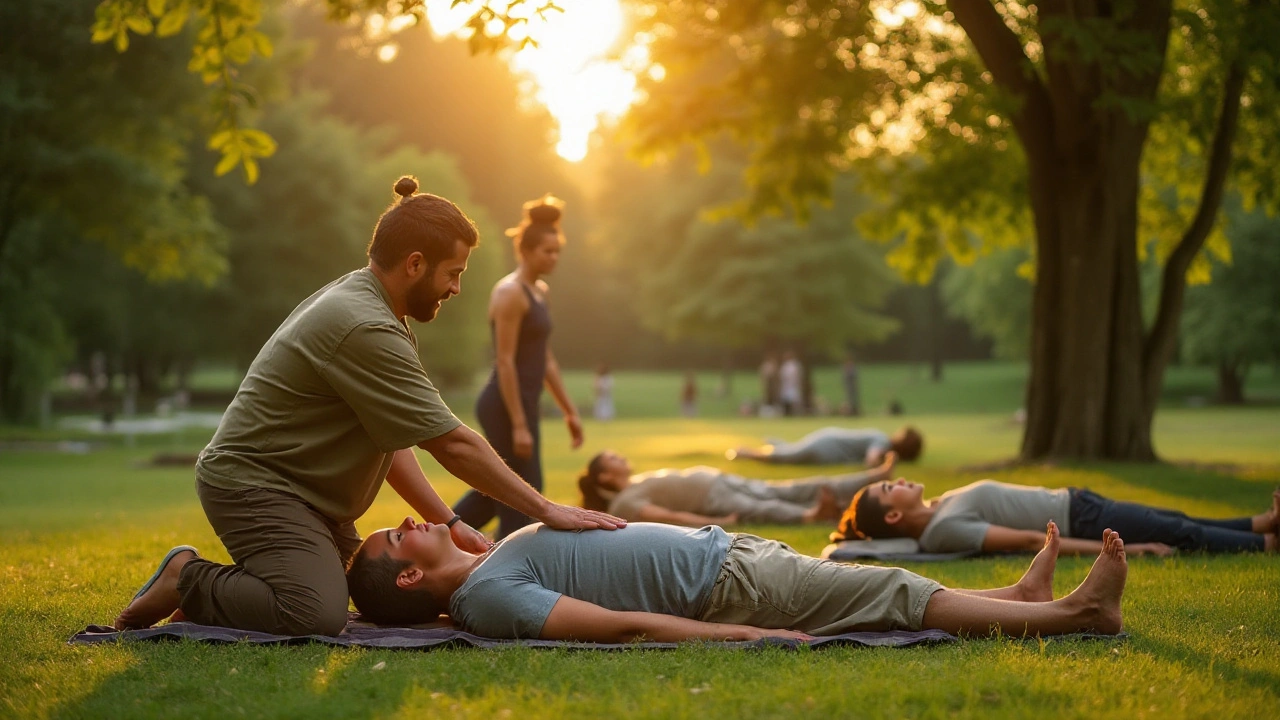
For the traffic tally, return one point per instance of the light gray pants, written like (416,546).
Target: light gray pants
(783,503)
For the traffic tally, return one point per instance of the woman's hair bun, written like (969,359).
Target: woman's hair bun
(544,214)
(544,211)
(406,186)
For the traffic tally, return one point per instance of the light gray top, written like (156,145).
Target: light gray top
(830,446)
(960,522)
(685,490)
(647,567)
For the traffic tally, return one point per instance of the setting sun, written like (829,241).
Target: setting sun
(569,66)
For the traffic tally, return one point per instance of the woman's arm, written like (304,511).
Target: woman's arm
(507,307)
(556,385)
(657,513)
(572,619)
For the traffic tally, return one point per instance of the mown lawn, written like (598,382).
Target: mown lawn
(78,534)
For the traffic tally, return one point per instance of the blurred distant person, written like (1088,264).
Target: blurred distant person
(835,445)
(849,378)
(704,495)
(769,382)
(523,364)
(791,384)
(603,389)
(333,405)
(689,395)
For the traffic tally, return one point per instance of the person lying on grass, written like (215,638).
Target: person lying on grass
(666,583)
(837,445)
(704,495)
(990,516)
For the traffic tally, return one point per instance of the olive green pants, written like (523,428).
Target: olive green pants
(288,576)
(766,584)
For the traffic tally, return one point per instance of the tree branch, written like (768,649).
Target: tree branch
(1013,71)
(1173,286)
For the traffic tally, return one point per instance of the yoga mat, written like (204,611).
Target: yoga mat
(889,549)
(364,635)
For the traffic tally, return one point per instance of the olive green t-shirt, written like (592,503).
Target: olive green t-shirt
(331,396)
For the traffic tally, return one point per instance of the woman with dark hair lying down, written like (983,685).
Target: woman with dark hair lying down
(704,495)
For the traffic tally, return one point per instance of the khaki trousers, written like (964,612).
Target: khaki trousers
(766,584)
(288,576)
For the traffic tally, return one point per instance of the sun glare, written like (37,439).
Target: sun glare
(569,68)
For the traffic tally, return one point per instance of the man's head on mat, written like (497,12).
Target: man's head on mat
(884,510)
(420,246)
(405,574)
(607,473)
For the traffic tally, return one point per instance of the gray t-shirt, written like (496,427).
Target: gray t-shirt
(831,446)
(646,567)
(963,515)
(685,490)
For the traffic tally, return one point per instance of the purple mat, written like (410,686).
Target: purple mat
(362,635)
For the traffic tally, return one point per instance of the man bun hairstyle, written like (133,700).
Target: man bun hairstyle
(589,485)
(419,222)
(371,581)
(541,218)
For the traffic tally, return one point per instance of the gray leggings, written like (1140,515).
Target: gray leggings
(783,503)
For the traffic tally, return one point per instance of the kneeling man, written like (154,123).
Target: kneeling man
(667,583)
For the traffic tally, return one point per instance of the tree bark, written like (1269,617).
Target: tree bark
(1230,383)
(1086,396)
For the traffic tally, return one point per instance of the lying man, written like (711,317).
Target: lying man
(704,495)
(836,445)
(991,516)
(668,584)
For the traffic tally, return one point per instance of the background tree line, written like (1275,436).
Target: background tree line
(118,241)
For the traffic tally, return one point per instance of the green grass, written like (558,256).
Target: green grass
(78,534)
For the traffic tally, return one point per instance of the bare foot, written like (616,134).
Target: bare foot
(1269,521)
(826,509)
(159,601)
(1275,512)
(743,453)
(1098,597)
(1037,584)
(884,470)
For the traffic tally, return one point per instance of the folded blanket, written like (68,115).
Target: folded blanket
(364,635)
(888,549)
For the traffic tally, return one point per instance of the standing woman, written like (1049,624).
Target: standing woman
(508,406)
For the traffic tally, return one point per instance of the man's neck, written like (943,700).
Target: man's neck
(455,571)
(398,305)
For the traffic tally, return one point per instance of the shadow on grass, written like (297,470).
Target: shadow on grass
(311,681)
(1199,660)
(1254,496)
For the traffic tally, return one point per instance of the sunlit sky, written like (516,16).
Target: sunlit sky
(569,69)
(582,65)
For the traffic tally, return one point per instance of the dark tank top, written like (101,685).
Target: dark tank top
(531,349)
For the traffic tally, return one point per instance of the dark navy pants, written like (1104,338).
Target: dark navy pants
(477,509)
(1091,514)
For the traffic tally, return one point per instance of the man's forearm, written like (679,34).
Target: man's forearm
(468,457)
(411,484)
(1076,546)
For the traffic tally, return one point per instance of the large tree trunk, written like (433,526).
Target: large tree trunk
(1096,376)
(1084,397)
